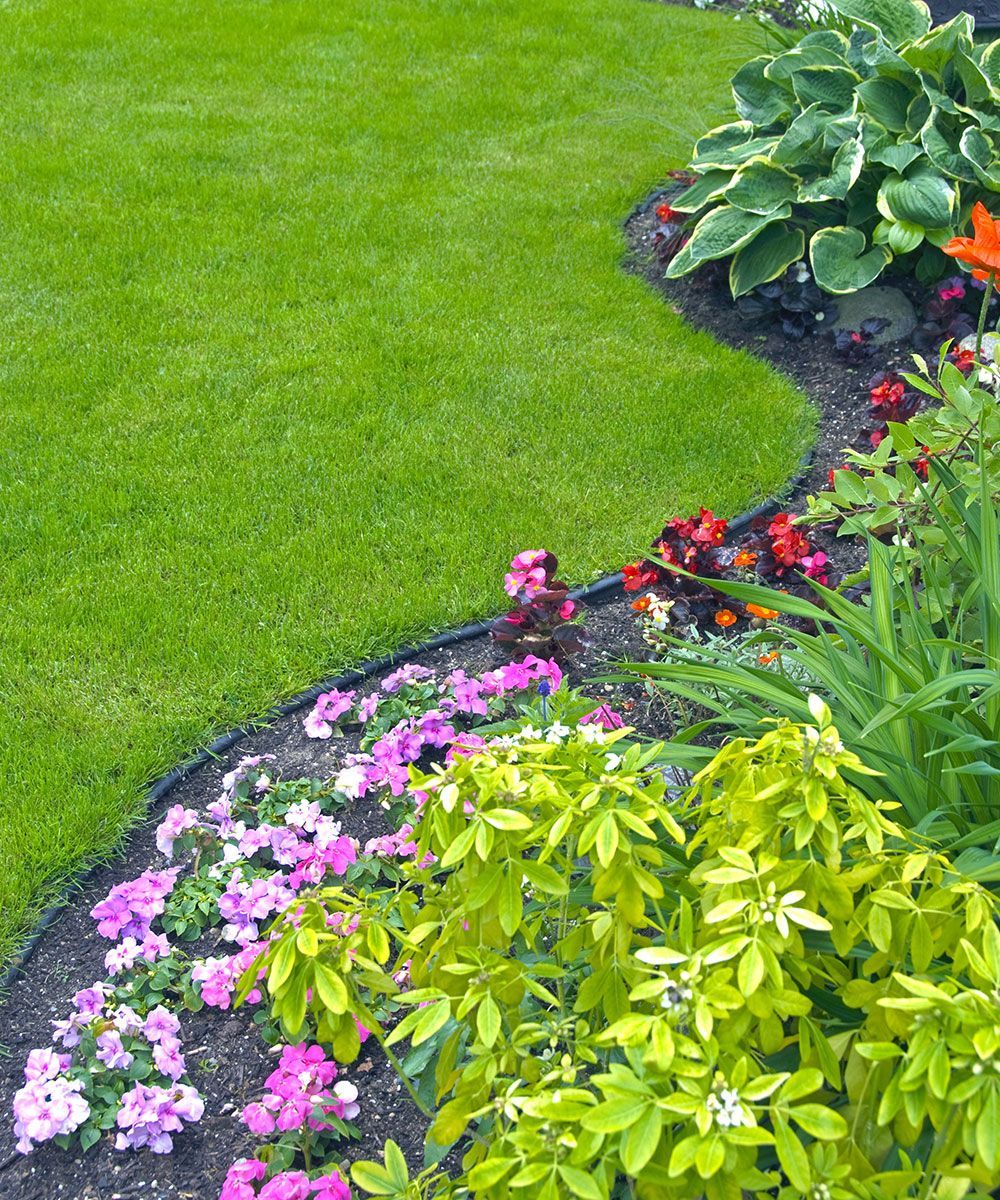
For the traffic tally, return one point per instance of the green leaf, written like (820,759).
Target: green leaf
(896,157)
(898,21)
(791,1154)
(819,1121)
(373,1177)
(729,146)
(943,147)
(757,98)
(719,233)
(886,100)
(395,1164)
(924,197)
(844,172)
(706,188)
(839,261)
(580,1183)
(488,1021)
(330,988)
(832,88)
(615,1115)
(640,1143)
(982,156)
(760,186)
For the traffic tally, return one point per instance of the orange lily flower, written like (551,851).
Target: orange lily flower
(981,252)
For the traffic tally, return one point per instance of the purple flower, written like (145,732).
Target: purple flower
(368,707)
(149,1114)
(112,1053)
(408,673)
(168,1059)
(329,708)
(130,908)
(45,1064)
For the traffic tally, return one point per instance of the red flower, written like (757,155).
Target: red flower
(787,545)
(638,575)
(888,393)
(842,467)
(667,214)
(965,360)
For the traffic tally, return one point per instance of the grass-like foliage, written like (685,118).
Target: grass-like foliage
(313,314)
(764,987)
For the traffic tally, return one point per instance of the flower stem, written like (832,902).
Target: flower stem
(987,295)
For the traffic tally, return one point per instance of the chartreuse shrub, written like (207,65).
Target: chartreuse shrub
(761,987)
(862,148)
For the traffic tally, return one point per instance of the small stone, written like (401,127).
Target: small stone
(990,343)
(873,302)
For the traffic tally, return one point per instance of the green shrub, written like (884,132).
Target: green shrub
(763,987)
(863,147)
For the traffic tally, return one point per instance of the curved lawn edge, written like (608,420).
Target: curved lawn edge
(161,787)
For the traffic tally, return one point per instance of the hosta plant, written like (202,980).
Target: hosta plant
(854,149)
(763,987)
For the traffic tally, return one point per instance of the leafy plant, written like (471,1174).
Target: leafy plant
(545,621)
(793,301)
(761,988)
(865,147)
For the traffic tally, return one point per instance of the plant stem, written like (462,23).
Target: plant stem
(990,282)
(398,1068)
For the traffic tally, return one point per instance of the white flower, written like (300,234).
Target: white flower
(613,762)
(556,732)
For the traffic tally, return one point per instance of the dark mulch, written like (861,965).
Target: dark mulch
(227,1059)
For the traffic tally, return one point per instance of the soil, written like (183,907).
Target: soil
(228,1061)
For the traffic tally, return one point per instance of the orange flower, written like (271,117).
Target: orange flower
(981,252)
(642,603)
(725,617)
(745,558)
(765,614)
(765,660)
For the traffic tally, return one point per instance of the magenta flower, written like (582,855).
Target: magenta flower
(290,1185)
(241,1177)
(149,1115)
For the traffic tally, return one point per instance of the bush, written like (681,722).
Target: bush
(865,147)
(761,987)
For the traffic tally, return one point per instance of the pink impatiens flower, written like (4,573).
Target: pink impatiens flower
(174,825)
(48,1107)
(241,1177)
(329,708)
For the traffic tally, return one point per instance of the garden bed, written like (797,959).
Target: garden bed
(228,1062)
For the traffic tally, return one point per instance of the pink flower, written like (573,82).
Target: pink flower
(567,609)
(331,1187)
(329,708)
(174,825)
(111,1052)
(605,717)
(408,673)
(290,1185)
(241,1177)
(150,1114)
(160,1024)
(48,1107)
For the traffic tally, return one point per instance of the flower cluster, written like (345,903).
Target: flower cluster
(891,401)
(245,1174)
(327,711)
(218,977)
(130,908)
(655,614)
(855,345)
(50,1104)
(301,1092)
(150,1114)
(545,619)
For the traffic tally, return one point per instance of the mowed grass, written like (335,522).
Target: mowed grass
(312,314)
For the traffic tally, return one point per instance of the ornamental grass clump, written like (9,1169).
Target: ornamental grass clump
(764,986)
(864,142)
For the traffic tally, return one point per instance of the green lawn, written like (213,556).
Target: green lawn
(312,314)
